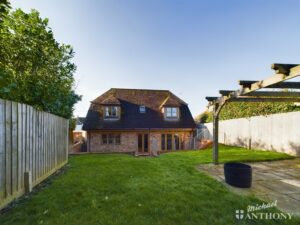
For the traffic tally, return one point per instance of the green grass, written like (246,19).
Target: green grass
(122,189)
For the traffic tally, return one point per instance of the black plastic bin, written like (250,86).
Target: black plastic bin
(238,174)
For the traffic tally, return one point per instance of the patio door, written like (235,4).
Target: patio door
(143,143)
(171,142)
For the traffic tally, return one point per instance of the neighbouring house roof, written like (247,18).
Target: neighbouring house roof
(79,123)
(80,120)
(78,128)
(130,100)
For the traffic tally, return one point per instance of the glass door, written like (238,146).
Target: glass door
(143,143)
(176,142)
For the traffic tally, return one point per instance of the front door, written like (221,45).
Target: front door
(143,143)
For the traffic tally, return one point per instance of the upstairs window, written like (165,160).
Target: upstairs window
(171,112)
(142,109)
(111,112)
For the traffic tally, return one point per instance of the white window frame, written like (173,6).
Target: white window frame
(171,112)
(142,109)
(110,139)
(111,112)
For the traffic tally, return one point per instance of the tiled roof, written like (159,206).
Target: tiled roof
(173,100)
(110,100)
(130,100)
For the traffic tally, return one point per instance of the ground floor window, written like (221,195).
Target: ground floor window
(111,139)
(170,142)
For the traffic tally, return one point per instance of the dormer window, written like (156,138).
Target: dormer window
(142,109)
(111,112)
(171,112)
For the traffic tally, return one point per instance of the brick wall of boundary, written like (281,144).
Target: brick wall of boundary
(30,141)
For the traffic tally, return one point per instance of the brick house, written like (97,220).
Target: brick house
(138,121)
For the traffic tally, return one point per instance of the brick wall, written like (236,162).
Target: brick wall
(129,142)
(155,142)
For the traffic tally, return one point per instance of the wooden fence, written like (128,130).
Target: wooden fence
(31,142)
(277,132)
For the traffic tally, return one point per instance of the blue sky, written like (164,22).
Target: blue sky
(192,48)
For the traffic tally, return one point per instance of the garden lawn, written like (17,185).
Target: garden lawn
(122,189)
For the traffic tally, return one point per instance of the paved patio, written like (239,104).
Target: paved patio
(276,180)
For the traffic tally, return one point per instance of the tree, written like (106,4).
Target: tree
(203,117)
(34,68)
(4,8)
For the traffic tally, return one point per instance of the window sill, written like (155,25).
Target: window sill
(110,144)
(171,118)
(112,118)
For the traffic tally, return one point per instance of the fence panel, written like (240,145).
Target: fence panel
(277,132)
(30,141)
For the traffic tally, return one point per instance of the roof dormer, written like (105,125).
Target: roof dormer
(111,108)
(171,112)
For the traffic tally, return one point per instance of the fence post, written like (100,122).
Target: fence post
(28,181)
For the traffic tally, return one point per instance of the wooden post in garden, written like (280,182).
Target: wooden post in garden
(215,135)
